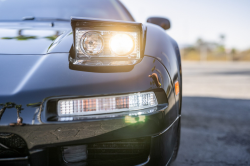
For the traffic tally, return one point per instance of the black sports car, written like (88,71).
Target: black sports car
(82,83)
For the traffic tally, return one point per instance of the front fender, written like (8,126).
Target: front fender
(160,45)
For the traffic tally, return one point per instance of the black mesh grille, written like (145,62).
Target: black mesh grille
(124,152)
(121,153)
(118,149)
(12,145)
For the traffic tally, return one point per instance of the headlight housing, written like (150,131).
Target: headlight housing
(106,42)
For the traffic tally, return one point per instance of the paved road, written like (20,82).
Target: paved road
(215,115)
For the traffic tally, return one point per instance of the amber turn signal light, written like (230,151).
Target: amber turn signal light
(177,87)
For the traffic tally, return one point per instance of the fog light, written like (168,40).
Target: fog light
(108,104)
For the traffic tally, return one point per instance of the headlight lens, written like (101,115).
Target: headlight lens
(121,44)
(107,48)
(91,43)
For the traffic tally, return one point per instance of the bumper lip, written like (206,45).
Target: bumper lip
(156,135)
(143,164)
(14,158)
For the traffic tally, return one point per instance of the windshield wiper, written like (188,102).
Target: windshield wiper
(43,19)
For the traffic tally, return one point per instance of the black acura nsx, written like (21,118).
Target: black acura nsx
(82,84)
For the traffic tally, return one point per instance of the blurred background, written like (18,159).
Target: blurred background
(205,30)
(213,37)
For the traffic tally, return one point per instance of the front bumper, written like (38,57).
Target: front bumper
(43,141)
(83,132)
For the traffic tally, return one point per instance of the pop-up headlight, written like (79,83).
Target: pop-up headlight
(108,104)
(106,42)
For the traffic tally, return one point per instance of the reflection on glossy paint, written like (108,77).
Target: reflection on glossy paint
(19,108)
(28,37)
(153,69)
(20,37)
(136,119)
(52,38)
(154,76)
(29,74)
(57,38)
(5,106)
(160,76)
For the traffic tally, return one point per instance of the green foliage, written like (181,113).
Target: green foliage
(53,37)
(20,37)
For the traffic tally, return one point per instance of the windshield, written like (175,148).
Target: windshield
(61,9)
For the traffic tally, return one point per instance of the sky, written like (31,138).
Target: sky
(205,19)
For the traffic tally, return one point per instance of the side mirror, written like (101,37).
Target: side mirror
(162,22)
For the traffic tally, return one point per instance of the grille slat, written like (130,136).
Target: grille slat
(123,153)
(119,149)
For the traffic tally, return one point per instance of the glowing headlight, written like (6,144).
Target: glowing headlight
(99,42)
(121,44)
(91,43)
(108,104)
(108,45)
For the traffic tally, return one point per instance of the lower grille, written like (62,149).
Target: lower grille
(118,149)
(124,152)
(12,145)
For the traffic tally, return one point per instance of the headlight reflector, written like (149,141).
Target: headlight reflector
(121,44)
(108,104)
(91,43)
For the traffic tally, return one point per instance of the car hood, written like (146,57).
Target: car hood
(29,37)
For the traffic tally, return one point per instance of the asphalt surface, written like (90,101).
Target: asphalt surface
(216,115)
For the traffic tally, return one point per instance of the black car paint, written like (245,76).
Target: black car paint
(30,37)
(32,75)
